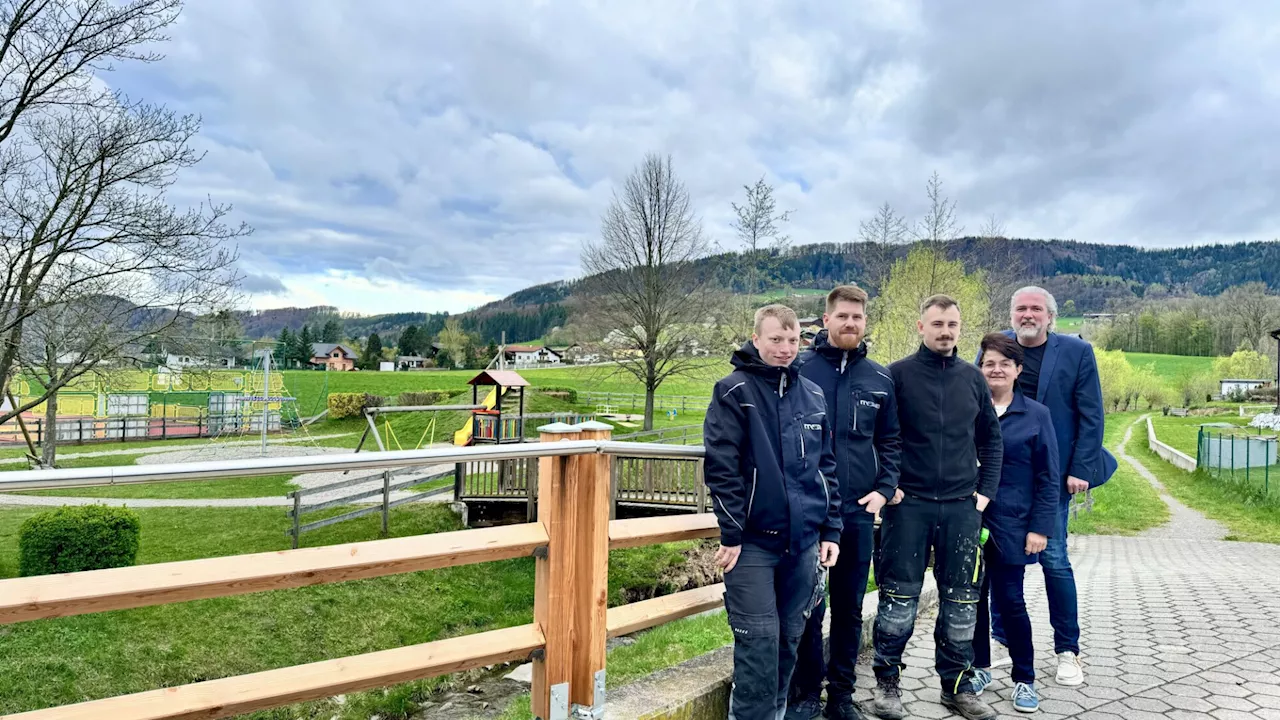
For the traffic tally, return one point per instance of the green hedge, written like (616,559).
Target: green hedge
(71,539)
(567,393)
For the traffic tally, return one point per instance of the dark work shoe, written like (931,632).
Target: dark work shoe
(888,699)
(967,705)
(804,709)
(844,708)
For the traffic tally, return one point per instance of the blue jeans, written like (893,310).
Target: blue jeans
(765,596)
(848,586)
(1060,589)
(1002,592)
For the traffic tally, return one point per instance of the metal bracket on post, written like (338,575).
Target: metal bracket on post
(542,552)
(559,702)
(596,711)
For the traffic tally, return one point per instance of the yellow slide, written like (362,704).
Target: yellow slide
(462,437)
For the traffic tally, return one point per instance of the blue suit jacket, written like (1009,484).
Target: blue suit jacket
(1070,388)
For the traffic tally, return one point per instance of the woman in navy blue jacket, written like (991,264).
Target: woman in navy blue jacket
(1020,518)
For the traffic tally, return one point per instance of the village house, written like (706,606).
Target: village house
(530,355)
(334,356)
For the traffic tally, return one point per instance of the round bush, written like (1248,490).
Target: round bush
(71,539)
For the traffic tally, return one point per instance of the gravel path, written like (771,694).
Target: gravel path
(1184,523)
(230,451)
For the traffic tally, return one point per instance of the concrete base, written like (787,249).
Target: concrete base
(698,689)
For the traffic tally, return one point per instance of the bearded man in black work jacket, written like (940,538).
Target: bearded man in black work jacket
(864,422)
(951,456)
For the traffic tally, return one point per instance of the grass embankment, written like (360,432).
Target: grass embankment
(1250,512)
(1126,504)
(66,660)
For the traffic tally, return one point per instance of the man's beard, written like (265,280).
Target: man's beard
(845,341)
(1029,332)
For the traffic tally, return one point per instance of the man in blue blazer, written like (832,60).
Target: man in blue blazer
(1061,373)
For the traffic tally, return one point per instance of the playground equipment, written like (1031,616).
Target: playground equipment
(487,424)
(370,415)
(158,404)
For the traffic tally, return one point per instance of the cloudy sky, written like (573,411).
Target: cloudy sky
(425,156)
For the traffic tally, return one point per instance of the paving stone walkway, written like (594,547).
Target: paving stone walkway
(1175,629)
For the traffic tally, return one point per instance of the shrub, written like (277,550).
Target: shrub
(566,393)
(429,397)
(71,539)
(371,401)
(342,405)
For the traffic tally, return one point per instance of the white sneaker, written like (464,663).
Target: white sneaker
(1070,672)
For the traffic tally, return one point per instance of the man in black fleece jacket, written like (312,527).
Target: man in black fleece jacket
(951,456)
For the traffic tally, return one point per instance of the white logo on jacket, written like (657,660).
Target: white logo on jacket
(813,426)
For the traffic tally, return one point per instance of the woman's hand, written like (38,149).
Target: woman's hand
(1036,543)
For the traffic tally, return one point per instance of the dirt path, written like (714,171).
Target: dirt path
(1184,523)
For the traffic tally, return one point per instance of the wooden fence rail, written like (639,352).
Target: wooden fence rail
(570,542)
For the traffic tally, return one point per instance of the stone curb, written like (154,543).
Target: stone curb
(698,689)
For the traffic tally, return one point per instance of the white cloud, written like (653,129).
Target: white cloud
(444,153)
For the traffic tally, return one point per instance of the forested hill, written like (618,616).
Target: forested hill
(1095,276)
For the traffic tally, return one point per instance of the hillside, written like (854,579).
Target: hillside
(1096,276)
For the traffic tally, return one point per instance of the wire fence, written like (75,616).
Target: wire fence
(1247,460)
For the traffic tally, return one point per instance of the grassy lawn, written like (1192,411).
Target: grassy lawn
(66,660)
(245,487)
(1170,367)
(1247,515)
(1069,324)
(1127,504)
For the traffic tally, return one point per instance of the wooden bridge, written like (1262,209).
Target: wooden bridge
(570,537)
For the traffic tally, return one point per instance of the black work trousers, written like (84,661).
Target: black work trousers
(909,531)
(847,585)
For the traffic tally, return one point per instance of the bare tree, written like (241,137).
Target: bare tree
(756,222)
(1253,312)
(937,227)
(881,235)
(644,288)
(83,173)
(992,227)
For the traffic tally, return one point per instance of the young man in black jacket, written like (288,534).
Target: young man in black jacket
(864,421)
(771,474)
(951,455)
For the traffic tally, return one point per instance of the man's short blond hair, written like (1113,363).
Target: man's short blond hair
(785,315)
(846,293)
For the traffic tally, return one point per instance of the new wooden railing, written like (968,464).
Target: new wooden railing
(570,540)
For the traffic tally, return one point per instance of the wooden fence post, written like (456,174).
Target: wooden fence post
(591,587)
(554,579)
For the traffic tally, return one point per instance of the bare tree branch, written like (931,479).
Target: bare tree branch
(756,222)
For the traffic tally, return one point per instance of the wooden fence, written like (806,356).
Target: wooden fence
(570,539)
(635,401)
(384,488)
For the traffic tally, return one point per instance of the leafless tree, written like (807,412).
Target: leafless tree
(84,221)
(881,235)
(992,227)
(1253,312)
(757,223)
(644,290)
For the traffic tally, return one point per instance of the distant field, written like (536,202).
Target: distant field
(1170,367)
(311,387)
(1069,324)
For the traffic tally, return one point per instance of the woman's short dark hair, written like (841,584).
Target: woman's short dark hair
(1004,345)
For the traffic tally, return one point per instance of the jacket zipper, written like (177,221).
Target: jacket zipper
(825,490)
(752,500)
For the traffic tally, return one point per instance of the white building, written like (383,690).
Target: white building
(1233,386)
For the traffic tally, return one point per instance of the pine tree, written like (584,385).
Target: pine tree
(409,341)
(373,352)
(302,347)
(283,351)
(332,332)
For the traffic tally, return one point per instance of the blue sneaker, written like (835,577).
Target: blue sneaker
(980,680)
(1025,698)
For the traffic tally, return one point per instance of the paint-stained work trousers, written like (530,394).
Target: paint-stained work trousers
(909,531)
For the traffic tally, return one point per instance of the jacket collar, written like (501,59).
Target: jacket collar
(747,359)
(1017,405)
(943,361)
(822,346)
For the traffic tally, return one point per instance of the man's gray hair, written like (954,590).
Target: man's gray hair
(1048,298)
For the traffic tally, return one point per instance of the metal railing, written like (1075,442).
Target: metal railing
(680,435)
(570,542)
(635,401)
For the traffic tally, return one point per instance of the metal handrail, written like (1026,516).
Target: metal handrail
(248,467)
